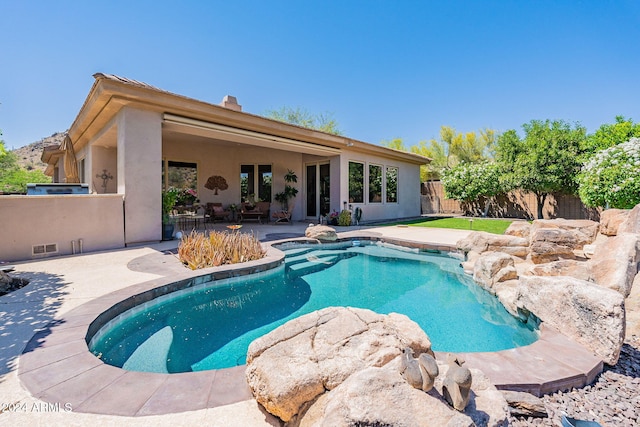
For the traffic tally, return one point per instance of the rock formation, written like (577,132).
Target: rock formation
(342,367)
(563,272)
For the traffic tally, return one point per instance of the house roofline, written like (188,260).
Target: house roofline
(110,93)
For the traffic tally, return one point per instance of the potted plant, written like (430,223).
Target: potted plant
(289,191)
(169,198)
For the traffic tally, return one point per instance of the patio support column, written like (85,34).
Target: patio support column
(140,174)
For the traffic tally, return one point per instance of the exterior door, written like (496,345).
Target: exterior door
(318,190)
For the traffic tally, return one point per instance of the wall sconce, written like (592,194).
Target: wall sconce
(344,205)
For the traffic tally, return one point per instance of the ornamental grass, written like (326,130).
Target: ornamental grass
(197,250)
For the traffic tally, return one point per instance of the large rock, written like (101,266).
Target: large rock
(591,315)
(584,230)
(493,267)
(481,241)
(524,404)
(552,244)
(566,267)
(381,397)
(615,263)
(632,305)
(519,229)
(632,223)
(298,361)
(611,219)
(321,232)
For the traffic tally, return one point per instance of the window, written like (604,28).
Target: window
(247,182)
(356,182)
(392,184)
(181,175)
(252,177)
(375,184)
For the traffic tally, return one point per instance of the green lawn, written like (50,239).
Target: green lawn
(496,226)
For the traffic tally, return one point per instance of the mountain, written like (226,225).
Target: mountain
(29,155)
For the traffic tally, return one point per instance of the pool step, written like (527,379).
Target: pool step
(315,263)
(313,253)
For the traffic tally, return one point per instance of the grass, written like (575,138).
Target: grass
(495,226)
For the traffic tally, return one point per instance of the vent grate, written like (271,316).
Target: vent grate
(45,248)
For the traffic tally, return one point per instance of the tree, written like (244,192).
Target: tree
(546,161)
(611,178)
(300,117)
(609,135)
(395,143)
(468,182)
(454,148)
(13,178)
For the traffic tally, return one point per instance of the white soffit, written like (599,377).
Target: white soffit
(242,136)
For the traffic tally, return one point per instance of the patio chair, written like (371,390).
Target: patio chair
(283,216)
(264,208)
(215,211)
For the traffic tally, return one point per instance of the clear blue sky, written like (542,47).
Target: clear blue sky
(384,69)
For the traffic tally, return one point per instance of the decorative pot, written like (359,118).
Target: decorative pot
(167,231)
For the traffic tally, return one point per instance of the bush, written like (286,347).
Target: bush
(611,178)
(344,219)
(467,182)
(199,251)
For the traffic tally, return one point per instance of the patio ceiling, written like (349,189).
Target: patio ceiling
(173,124)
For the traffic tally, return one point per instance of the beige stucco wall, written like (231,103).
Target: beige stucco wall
(408,188)
(139,174)
(103,159)
(36,220)
(221,159)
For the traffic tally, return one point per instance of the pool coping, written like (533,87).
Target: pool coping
(57,366)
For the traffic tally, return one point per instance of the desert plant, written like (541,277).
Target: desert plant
(197,250)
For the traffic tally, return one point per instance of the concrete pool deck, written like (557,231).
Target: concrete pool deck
(48,319)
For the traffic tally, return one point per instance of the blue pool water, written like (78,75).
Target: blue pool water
(210,326)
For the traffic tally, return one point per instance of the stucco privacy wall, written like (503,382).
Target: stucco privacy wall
(408,187)
(140,173)
(36,220)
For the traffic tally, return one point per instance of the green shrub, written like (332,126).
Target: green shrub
(344,219)
(611,178)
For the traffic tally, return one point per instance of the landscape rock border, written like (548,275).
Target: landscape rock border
(572,274)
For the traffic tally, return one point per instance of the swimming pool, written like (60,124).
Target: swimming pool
(210,326)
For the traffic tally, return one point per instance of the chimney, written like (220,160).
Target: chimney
(231,103)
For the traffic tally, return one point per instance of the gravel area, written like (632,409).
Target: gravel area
(613,399)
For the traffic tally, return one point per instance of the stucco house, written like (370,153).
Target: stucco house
(129,136)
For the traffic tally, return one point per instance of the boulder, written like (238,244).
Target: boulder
(321,232)
(632,305)
(632,223)
(584,230)
(552,244)
(519,229)
(589,314)
(493,267)
(615,263)
(524,404)
(380,397)
(611,219)
(566,267)
(298,361)
(481,241)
